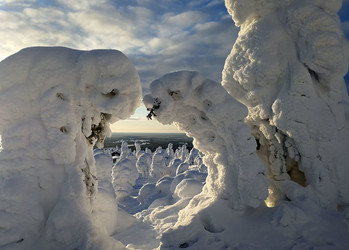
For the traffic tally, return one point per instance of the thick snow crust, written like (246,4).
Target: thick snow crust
(56,103)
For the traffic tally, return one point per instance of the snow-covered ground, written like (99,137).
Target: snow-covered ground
(154,206)
(269,167)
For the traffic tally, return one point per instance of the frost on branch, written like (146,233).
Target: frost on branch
(204,110)
(287,67)
(56,103)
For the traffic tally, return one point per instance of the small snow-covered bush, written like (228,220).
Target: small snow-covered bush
(124,175)
(188,188)
(159,165)
(143,164)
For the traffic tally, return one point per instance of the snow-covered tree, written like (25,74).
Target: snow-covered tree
(143,164)
(287,67)
(159,164)
(124,175)
(205,111)
(56,103)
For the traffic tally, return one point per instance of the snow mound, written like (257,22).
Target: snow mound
(56,104)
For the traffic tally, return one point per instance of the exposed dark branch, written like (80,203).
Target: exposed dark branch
(151,110)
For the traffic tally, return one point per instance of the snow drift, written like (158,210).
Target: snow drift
(56,103)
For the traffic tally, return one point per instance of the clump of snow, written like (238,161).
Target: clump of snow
(56,104)
(291,79)
(188,188)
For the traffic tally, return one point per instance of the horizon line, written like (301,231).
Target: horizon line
(114,132)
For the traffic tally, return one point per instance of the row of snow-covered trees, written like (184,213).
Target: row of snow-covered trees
(147,167)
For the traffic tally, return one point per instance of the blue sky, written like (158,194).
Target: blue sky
(159,36)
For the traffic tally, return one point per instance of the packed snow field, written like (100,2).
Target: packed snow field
(269,168)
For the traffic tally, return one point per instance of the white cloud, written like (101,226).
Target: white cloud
(15,3)
(185,19)
(81,4)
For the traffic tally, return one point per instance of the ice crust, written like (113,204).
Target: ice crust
(56,103)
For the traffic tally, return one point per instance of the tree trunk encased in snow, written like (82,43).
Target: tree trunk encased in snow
(287,67)
(56,103)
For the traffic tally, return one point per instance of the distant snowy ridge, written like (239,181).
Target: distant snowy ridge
(56,103)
